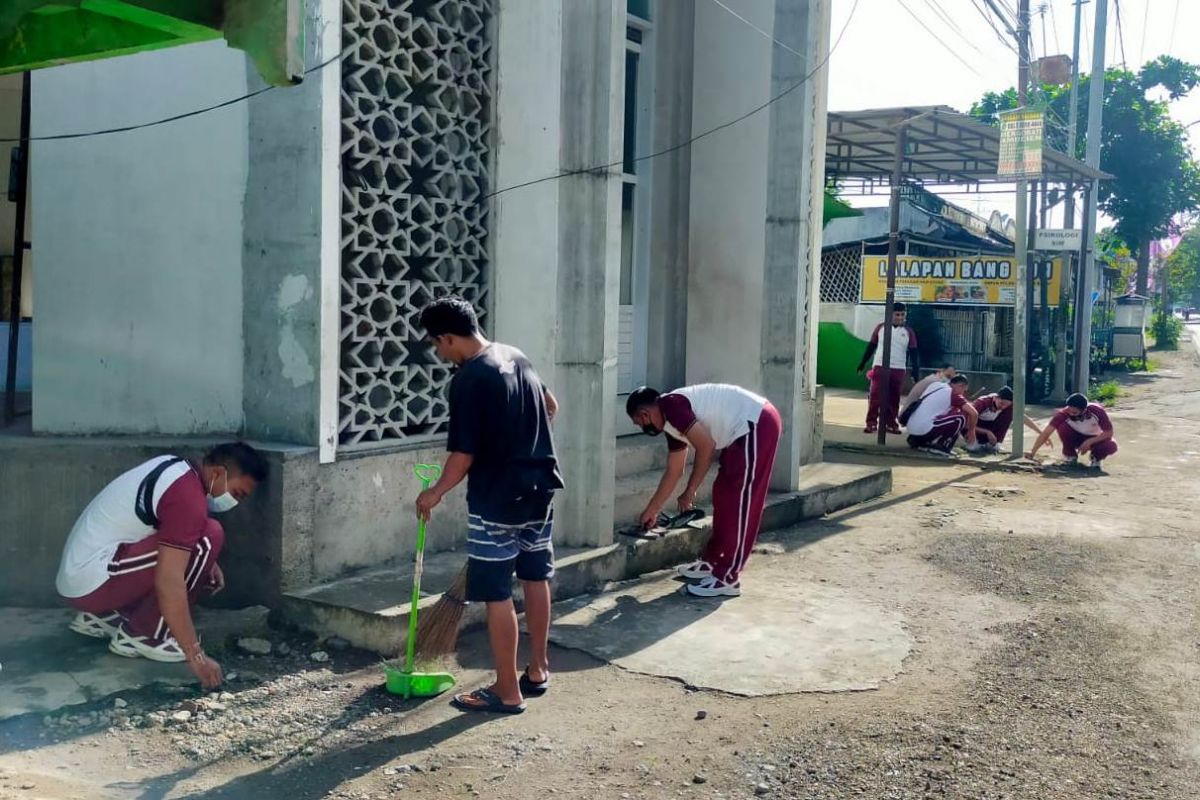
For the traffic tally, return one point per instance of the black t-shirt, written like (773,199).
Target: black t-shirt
(498,416)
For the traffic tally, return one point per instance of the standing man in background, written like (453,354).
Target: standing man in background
(890,371)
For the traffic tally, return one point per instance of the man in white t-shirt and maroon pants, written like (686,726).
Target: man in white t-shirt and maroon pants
(891,374)
(739,429)
(145,548)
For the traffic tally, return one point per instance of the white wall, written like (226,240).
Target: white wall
(728,194)
(139,255)
(525,310)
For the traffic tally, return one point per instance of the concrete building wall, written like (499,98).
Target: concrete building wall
(140,310)
(290,254)
(674,32)
(525,224)
(728,194)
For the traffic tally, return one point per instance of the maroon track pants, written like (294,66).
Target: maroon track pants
(739,494)
(944,433)
(895,379)
(1072,439)
(130,585)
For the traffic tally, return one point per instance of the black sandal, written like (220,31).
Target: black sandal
(485,700)
(531,689)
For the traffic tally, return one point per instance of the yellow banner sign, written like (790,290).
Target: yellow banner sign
(973,280)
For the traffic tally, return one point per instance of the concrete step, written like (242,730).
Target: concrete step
(640,453)
(632,493)
(370,609)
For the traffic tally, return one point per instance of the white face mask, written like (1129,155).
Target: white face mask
(222,502)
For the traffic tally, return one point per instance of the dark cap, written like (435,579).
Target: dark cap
(1077,401)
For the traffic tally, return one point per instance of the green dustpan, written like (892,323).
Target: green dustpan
(406,682)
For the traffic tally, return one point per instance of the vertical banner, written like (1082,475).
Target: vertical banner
(1021,134)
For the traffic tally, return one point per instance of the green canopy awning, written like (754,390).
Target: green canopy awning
(835,209)
(44,33)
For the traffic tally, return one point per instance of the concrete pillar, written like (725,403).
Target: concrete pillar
(756,212)
(291,256)
(589,254)
(795,199)
(666,350)
(524,277)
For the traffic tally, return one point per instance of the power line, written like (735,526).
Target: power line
(937,9)
(1174,22)
(602,169)
(1121,34)
(1145,27)
(1003,39)
(940,40)
(175,118)
(1054,27)
(760,30)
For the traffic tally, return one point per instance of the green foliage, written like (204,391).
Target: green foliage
(1155,176)
(1183,270)
(1105,393)
(1167,329)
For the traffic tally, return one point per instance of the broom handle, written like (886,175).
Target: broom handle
(427,474)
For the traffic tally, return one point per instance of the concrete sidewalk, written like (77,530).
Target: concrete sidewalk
(846,412)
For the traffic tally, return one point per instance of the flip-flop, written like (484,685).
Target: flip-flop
(486,701)
(531,689)
(685,518)
(638,532)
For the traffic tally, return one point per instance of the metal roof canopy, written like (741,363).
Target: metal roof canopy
(943,147)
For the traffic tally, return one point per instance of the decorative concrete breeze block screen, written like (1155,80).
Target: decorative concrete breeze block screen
(416,137)
(841,274)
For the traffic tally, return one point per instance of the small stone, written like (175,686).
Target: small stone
(701,714)
(699,779)
(119,703)
(225,697)
(284,649)
(638,743)
(319,656)
(337,644)
(181,716)
(191,706)
(216,707)
(27,786)
(762,789)
(231,676)
(254,645)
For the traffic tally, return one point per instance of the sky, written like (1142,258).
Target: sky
(888,57)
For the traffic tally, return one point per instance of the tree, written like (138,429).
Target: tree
(1183,270)
(1154,174)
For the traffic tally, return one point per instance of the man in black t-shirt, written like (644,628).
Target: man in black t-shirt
(499,439)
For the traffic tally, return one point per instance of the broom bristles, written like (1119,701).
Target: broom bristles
(437,628)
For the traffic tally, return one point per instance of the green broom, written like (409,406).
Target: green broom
(406,682)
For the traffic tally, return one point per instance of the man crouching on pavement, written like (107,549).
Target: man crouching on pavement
(145,549)
(1084,428)
(499,439)
(995,418)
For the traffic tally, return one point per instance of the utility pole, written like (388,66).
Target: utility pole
(1087,257)
(1021,307)
(1060,344)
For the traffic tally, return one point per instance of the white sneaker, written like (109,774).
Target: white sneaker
(711,587)
(125,644)
(695,571)
(1071,461)
(95,626)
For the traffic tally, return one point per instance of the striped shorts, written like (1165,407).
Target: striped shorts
(496,551)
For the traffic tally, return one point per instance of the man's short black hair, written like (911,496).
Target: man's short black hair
(449,315)
(959,380)
(1005,393)
(239,457)
(899,307)
(640,398)
(1077,400)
